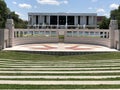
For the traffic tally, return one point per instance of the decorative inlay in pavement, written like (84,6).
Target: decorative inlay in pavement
(60,47)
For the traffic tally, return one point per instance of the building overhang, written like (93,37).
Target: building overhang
(63,14)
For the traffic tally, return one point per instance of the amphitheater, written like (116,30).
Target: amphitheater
(70,41)
(60,74)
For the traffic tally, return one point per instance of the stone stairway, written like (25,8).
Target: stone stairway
(64,74)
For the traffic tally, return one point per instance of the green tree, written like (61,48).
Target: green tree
(19,23)
(105,23)
(115,14)
(3,13)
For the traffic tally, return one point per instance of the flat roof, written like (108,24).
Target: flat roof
(75,14)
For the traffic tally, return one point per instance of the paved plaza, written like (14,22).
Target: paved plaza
(60,47)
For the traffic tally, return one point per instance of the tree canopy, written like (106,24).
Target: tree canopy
(105,23)
(4,12)
(115,14)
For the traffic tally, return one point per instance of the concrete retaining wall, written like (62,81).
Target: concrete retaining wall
(30,40)
(86,40)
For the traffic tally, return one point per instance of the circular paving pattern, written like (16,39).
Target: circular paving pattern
(60,47)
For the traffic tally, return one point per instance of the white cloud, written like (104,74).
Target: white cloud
(94,0)
(65,2)
(24,5)
(114,6)
(90,8)
(107,15)
(100,10)
(52,2)
(18,13)
(14,2)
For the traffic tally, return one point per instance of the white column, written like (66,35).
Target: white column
(76,20)
(81,20)
(95,21)
(92,20)
(43,19)
(66,23)
(75,23)
(32,19)
(57,20)
(49,20)
(84,20)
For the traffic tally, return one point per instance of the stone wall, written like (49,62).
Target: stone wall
(102,37)
(4,38)
(29,36)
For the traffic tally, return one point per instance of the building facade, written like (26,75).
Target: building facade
(62,20)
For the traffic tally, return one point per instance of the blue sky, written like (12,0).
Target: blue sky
(101,7)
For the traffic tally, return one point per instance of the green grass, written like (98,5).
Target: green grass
(63,70)
(61,74)
(8,86)
(28,56)
(57,79)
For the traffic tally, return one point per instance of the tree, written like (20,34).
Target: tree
(115,14)
(19,23)
(4,12)
(105,23)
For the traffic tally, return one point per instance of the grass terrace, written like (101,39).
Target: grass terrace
(37,71)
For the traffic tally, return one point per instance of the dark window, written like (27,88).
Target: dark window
(37,19)
(53,20)
(79,20)
(45,19)
(70,20)
(62,20)
(87,21)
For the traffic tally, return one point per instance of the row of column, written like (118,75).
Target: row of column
(87,33)
(33,33)
(92,20)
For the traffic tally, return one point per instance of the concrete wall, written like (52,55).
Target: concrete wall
(117,40)
(98,40)
(4,38)
(87,40)
(31,40)
(35,39)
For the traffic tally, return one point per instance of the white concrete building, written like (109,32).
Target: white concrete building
(62,20)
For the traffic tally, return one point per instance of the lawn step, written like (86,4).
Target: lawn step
(24,82)
(60,77)
(26,72)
